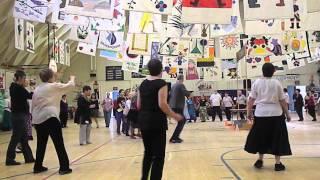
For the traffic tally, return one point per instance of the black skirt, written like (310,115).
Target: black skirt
(269,135)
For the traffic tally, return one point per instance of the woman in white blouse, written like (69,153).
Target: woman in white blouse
(45,113)
(269,134)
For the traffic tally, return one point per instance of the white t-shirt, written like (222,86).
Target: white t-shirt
(227,101)
(267,93)
(286,95)
(215,99)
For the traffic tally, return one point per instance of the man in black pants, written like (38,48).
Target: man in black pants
(241,102)
(177,102)
(20,115)
(215,100)
(298,104)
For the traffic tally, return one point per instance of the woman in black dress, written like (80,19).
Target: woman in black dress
(94,111)
(153,111)
(269,134)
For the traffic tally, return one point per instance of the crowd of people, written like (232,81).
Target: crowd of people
(142,113)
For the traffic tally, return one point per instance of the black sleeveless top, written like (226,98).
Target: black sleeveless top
(150,115)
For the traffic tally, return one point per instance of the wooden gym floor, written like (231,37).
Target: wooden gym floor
(210,152)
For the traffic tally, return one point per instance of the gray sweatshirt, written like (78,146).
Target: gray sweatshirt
(177,96)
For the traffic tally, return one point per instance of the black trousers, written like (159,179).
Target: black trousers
(52,128)
(63,118)
(242,106)
(228,113)
(154,142)
(312,112)
(216,110)
(180,125)
(299,112)
(19,135)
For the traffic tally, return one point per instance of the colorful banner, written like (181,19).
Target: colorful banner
(111,40)
(85,48)
(33,10)
(152,6)
(92,8)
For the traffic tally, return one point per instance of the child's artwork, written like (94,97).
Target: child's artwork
(192,71)
(263,27)
(176,61)
(112,55)
(62,53)
(155,47)
(33,10)
(213,73)
(30,37)
(270,9)
(295,42)
(279,66)
(264,46)
(131,65)
(152,6)
(256,61)
(315,55)
(84,34)
(110,40)
(229,68)
(85,48)
(227,46)
(208,59)
(56,51)
(314,39)
(294,63)
(234,26)
(174,47)
(302,55)
(313,6)
(139,44)
(142,22)
(67,54)
(199,48)
(92,8)
(299,20)
(169,71)
(19,33)
(206,11)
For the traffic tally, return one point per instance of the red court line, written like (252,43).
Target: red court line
(79,158)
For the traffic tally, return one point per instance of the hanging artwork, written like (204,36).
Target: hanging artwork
(207,59)
(2,79)
(263,27)
(19,34)
(176,61)
(174,47)
(227,46)
(302,55)
(84,34)
(92,8)
(234,26)
(62,53)
(152,6)
(264,46)
(33,10)
(111,40)
(30,37)
(67,54)
(131,66)
(199,48)
(279,66)
(271,9)
(192,71)
(111,55)
(315,55)
(85,48)
(229,69)
(169,71)
(139,44)
(295,42)
(314,39)
(299,20)
(142,22)
(213,73)
(313,6)
(294,63)
(155,46)
(56,51)
(206,11)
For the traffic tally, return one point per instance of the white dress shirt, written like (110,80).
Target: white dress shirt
(215,99)
(46,100)
(227,101)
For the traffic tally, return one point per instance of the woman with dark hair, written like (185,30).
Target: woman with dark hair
(94,111)
(119,107)
(269,134)
(63,111)
(153,110)
(84,107)
(45,113)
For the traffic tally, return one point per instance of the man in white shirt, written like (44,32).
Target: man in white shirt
(241,103)
(215,100)
(286,95)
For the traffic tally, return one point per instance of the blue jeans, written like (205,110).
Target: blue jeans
(119,118)
(107,117)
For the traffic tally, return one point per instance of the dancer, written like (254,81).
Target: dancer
(191,109)
(203,109)
(177,102)
(84,107)
(153,108)
(20,115)
(227,103)
(107,108)
(63,111)
(45,112)
(298,104)
(216,99)
(311,103)
(94,111)
(241,103)
(119,107)
(269,133)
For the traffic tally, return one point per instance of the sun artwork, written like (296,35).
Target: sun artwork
(229,42)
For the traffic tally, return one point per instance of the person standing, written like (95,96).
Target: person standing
(203,109)
(84,107)
(20,115)
(63,111)
(216,99)
(107,109)
(191,109)
(177,102)
(119,107)
(94,110)
(153,111)
(241,103)
(45,112)
(311,102)
(286,95)
(227,103)
(269,134)
(6,124)
(298,104)
(133,115)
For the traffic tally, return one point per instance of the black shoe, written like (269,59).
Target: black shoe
(63,172)
(258,164)
(314,120)
(30,161)
(12,163)
(175,141)
(127,134)
(179,139)
(40,170)
(300,120)
(279,167)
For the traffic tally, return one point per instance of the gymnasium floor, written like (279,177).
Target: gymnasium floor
(210,152)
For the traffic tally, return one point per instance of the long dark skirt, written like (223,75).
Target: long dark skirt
(269,135)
